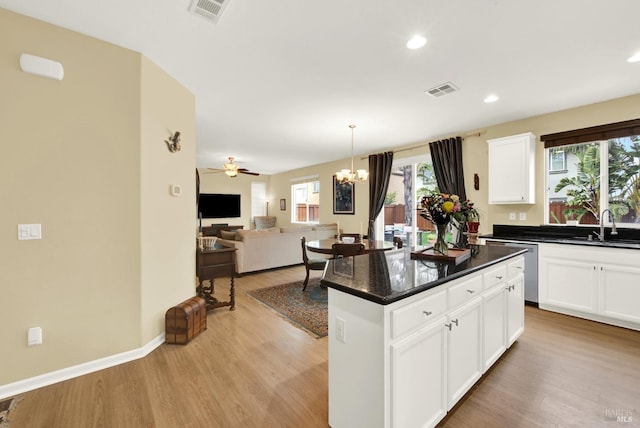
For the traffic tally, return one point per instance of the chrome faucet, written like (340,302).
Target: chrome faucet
(613,225)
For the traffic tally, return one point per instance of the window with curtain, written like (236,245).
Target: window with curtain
(602,171)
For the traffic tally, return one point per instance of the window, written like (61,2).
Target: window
(600,174)
(305,197)
(258,199)
(557,160)
(410,179)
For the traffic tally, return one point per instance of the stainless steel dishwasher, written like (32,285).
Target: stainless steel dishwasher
(530,268)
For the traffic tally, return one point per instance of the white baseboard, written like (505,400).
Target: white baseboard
(588,316)
(22,386)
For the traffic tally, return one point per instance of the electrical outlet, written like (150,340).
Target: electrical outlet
(341,333)
(523,216)
(512,216)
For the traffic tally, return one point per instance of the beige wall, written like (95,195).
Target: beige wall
(76,158)
(475,159)
(475,152)
(281,189)
(167,222)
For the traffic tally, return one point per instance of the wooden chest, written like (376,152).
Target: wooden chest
(185,321)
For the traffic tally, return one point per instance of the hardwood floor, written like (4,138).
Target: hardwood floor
(253,369)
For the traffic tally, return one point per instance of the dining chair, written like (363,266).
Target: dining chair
(351,235)
(310,264)
(347,250)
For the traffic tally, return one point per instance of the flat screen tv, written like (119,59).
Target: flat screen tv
(218,205)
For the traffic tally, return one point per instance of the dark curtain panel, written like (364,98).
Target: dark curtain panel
(446,156)
(379,173)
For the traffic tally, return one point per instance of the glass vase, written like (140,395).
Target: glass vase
(441,246)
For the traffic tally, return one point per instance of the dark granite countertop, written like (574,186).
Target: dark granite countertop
(572,235)
(388,276)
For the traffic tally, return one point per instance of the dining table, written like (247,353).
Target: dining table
(325,246)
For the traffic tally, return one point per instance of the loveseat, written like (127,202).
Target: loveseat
(274,247)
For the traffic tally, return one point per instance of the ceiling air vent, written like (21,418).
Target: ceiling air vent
(441,90)
(210,9)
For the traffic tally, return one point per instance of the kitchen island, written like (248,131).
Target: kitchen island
(408,338)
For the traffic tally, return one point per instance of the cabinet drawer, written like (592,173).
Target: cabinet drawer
(460,293)
(515,268)
(494,276)
(216,271)
(417,314)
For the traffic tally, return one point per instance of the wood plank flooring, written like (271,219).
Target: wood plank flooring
(251,368)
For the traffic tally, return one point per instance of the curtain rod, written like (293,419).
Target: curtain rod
(475,134)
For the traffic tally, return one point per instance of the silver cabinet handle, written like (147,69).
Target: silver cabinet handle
(448,325)
(519,267)
(455,321)
(499,276)
(427,313)
(470,291)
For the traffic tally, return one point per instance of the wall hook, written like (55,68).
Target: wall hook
(173,144)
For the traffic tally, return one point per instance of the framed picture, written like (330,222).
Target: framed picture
(343,197)
(283,204)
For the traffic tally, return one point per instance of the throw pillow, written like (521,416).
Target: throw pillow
(264,222)
(228,234)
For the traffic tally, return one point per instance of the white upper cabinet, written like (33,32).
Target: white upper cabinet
(512,169)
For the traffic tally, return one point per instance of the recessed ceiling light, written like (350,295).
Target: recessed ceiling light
(416,42)
(634,58)
(491,99)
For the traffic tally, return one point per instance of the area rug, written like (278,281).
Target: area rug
(6,407)
(304,309)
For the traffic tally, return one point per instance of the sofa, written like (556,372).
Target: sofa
(273,247)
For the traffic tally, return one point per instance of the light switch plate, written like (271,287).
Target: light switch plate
(175,190)
(523,216)
(512,216)
(34,336)
(29,231)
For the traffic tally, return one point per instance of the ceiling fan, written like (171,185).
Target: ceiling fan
(232,169)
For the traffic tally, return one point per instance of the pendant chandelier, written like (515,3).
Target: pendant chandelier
(349,175)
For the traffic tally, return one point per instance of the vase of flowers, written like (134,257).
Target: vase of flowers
(443,209)
(438,208)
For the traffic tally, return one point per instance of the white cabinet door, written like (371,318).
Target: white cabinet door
(619,292)
(515,309)
(464,356)
(512,169)
(494,324)
(418,377)
(568,283)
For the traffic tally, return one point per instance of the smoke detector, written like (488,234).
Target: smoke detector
(210,9)
(442,90)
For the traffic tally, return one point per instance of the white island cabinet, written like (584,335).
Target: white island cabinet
(405,364)
(601,284)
